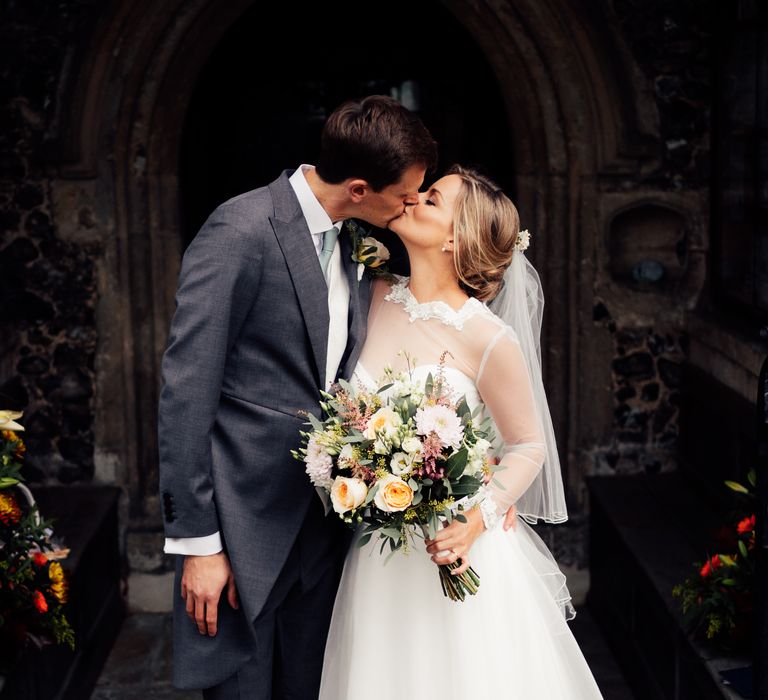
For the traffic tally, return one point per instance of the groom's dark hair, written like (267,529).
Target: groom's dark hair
(375,139)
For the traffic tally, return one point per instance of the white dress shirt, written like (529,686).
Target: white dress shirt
(318,222)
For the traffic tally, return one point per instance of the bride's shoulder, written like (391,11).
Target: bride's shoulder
(492,325)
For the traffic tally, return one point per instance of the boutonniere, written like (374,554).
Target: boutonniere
(367,251)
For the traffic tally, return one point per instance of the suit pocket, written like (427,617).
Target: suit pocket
(283,410)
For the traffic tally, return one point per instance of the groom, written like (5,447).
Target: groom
(269,311)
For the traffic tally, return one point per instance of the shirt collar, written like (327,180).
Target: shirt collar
(317,218)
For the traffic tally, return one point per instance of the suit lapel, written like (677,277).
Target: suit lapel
(359,299)
(300,255)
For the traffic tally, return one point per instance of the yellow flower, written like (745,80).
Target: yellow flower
(10,513)
(7,420)
(12,437)
(59,582)
(55,572)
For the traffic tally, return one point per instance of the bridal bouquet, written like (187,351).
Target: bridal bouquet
(401,461)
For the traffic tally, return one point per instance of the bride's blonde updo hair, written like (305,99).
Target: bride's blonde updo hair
(485,228)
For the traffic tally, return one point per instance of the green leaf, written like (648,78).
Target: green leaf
(315,423)
(728,582)
(364,540)
(743,549)
(371,494)
(736,486)
(456,463)
(7,481)
(498,484)
(385,387)
(463,408)
(752,478)
(461,518)
(429,384)
(347,387)
(466,486)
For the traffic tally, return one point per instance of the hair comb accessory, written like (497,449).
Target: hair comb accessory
(523,240)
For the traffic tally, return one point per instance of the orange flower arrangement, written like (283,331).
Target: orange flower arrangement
(718,604)
(33,587)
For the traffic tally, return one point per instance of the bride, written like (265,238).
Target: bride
(393,633)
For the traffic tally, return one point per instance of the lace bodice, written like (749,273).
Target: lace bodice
(483,362)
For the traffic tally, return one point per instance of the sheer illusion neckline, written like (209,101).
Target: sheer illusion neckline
(440,310)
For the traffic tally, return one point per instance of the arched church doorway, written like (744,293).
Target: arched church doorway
(260,102)
(181,104)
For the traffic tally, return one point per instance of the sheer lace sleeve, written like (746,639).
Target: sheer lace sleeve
(505,387)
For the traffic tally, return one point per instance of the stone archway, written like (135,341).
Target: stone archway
(585,120)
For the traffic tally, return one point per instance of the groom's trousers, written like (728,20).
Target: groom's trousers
(293,626)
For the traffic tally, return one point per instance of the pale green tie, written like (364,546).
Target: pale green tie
(329,242)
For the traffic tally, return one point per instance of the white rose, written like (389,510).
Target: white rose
(347,494)
(412,445)
(382,427)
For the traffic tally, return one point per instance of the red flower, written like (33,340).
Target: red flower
(39,601)
(39,558)
(710,565)
(746,525)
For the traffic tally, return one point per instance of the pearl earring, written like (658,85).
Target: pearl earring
(443,249)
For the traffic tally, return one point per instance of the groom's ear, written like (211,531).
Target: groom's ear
(357,189)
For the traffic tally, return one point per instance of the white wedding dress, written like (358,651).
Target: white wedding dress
(393,633)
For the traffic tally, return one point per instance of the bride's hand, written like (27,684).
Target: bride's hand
(457,539)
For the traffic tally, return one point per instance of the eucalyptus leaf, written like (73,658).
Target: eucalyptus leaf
(364,540)
(316,424)
(497,483)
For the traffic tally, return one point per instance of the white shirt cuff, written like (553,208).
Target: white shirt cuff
(194,546)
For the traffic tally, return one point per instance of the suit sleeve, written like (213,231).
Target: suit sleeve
(217,286)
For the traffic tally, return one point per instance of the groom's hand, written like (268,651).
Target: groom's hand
(202,582)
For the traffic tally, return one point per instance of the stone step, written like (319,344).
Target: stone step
(86,521)
(645,533)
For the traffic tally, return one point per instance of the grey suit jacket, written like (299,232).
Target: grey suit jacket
(246,353)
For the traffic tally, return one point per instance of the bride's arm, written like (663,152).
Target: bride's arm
(505,387)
